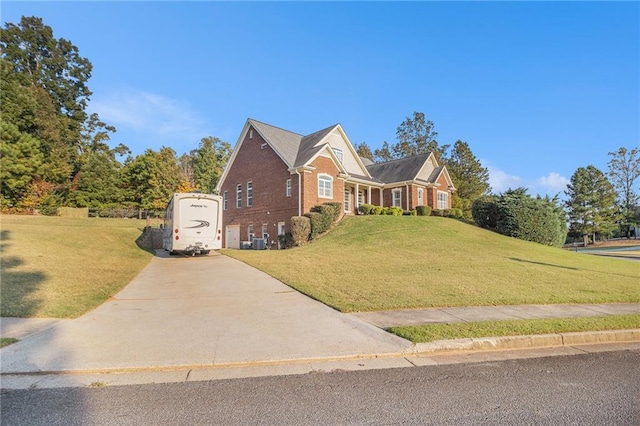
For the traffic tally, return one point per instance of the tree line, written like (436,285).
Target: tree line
(53,153)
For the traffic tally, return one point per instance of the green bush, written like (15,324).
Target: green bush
(377,210)
(437,212)
(446,212)
(456,213)
(485,212)
(334,210)
(365,209)
(517,214)
(392,211)
(289,242)
(423,210)
(300,229)
(322,217)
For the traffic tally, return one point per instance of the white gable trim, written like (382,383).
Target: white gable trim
(450,184)
(352,150)
(326,151)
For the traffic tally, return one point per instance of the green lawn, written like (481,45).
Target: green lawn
(433,332)
(370,263)
(64,267)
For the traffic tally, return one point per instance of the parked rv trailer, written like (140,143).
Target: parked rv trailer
(193,224)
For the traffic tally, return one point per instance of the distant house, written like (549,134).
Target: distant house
(274,174)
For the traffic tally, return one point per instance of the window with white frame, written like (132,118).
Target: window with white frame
(443,200)
(397,197)
(249,194)
(288,187)
(347,200)
(238,196)
(360,198)
(265,232)
(338,153)
(225,200)
(325,186)
(420,197)
(250,232)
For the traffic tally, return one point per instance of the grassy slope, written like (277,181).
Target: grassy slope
(382,262)
(64,267)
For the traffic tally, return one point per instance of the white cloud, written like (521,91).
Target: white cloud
(501,181)
(151,118)
(551,184)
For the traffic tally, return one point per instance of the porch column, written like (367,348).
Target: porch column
(357,200)
(368,194)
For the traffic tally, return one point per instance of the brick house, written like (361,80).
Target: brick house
(274,174)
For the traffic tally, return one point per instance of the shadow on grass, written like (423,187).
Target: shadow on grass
(17,286)
(569,267)
(544,264)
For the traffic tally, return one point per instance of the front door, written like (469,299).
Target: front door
(232,235)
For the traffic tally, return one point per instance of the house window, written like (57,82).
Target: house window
(249,194)
(338,153)
(325,186)
(360,198)
(397,198)
(443,200)
(238,196)
(288,187)
(250,233)
(420,197)
(265,233)
(251,134)
(225,200)
(347,200)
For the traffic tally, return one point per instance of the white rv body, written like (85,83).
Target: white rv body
(193,223)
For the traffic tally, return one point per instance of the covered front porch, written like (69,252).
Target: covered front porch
(356,194)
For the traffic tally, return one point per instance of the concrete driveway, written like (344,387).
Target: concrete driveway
(200,311)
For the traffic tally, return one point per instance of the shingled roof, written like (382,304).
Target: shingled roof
(403,169)
(284,142)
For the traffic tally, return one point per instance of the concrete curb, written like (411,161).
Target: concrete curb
(528,342)
(421,354)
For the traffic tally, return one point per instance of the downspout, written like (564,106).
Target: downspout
(406,185)
(299,192)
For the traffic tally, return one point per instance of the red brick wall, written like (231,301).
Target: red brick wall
(322,165)
(268,174)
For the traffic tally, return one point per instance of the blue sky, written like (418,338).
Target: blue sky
(537,89)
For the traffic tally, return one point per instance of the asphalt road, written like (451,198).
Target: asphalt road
(590,389)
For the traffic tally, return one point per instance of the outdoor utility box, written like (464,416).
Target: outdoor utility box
(244,245)
(258,244)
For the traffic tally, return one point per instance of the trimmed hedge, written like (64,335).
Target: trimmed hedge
(423,211)
(300,230)
(365,209)
(322,217)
